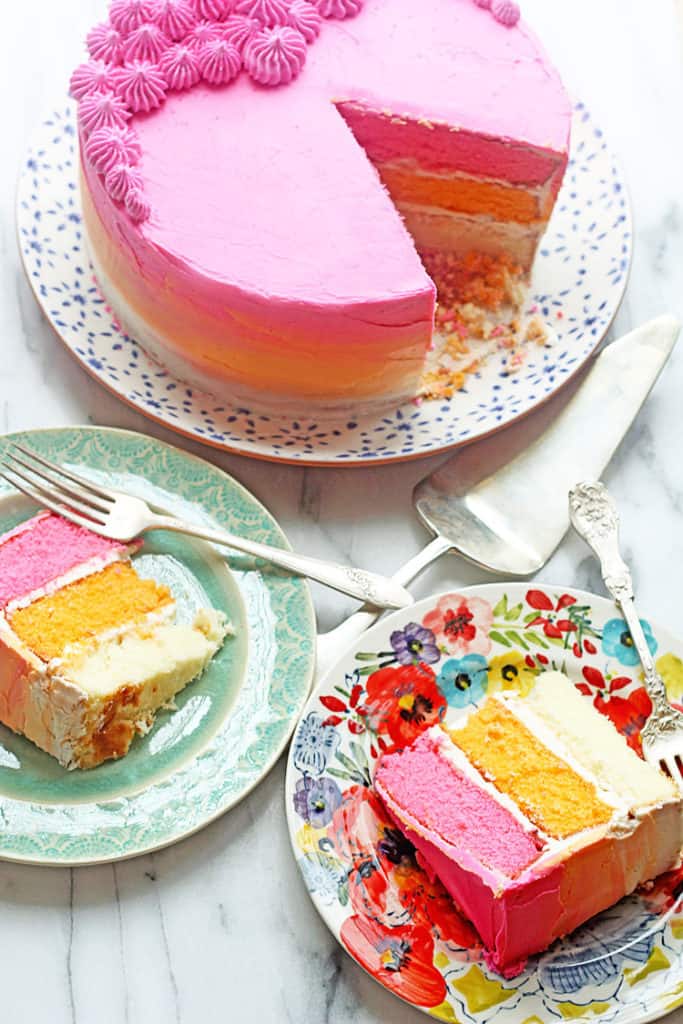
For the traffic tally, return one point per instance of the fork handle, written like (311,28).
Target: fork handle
(368,587)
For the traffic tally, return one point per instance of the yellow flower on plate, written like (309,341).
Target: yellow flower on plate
(307,838)
(510,671)
(670,669)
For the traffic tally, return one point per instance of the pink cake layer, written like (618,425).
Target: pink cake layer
(273,258)
(40,550)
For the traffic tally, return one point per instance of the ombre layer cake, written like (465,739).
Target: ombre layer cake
(89,651)
(535,814)
(261,204)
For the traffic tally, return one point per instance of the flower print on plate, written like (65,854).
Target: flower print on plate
(578,281)
(430,663)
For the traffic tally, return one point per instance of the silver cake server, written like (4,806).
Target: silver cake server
(502,502)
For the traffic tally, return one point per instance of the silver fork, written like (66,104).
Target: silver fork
(594,516)
(123,517)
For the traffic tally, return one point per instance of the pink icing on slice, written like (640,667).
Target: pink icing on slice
(147,42)
(120,180)
(202,34)
(127,15)
(506,12)
(274,56)
(141,86)
(215,10)
(180,67)
(175,18)
(43,549)
(219,62)
(102,110)
(421,781)
(339,8)
(239,29)
(486,4)
(104,43)
(305,18)
(268,13)
(108,147)
(93,76)
(136,205)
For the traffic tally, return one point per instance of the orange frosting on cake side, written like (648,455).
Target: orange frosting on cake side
(552,795)
(105,600)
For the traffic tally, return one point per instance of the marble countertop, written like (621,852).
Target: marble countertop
(220,927)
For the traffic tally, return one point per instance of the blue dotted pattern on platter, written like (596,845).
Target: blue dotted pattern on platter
(578,281)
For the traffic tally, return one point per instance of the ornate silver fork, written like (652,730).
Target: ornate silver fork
(594,516)
(124,517)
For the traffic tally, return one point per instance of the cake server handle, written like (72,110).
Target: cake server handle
(369,587)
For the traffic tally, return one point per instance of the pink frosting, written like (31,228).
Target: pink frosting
(147,42)
(137,205)
(203,33)
(486,4)
(239,29)
(219,62)
(175,18)
(93,76)
(120,180)
(267,12)
(100,110)
(104,43)
(180,65)
(127,15)
(108,147)
(141,86)
(506,12)
(305,18)
(274,56)
(339,8)
(214,9)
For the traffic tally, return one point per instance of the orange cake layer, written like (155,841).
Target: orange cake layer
(551,794)
(465,195)
(107,599)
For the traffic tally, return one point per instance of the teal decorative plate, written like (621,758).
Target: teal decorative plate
(229,727)
(429,663)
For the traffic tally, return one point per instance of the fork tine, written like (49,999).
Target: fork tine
(58,493)
(73,490)
(96,489)
(42,499)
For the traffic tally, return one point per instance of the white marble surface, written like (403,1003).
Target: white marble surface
(220,928)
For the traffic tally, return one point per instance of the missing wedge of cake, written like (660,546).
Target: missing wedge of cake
(89,650)
(535,814)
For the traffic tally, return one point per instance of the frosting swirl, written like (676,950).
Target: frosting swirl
(339,8)
(141,86)
(268,13)
(93,76)
(175,18)
(100,110)
(120,179)
(239,29)
(219,62)
(104,43)
(108,147)
(506,12)
(147,42)
(180,67)
(127,15)
(275,55)
(201,34)
(136,205)
(214,10)
(305,18)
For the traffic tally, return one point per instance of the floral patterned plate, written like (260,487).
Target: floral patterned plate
(578,282)
(424,665)
(230,726)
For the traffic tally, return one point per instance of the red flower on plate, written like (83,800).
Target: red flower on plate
(554,624)
(402,959)
(461,624)
(403,702)
(628,713)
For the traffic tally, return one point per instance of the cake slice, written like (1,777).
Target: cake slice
(535,814)
(89,650)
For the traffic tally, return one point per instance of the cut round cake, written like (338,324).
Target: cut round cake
(89,650)
(273,192)
(535,814)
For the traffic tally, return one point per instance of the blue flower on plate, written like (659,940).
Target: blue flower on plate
(316,800)
(325,877)
(618,642)
(314,744)
(463,681)
(414,643)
